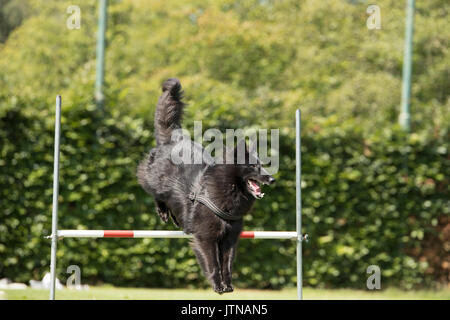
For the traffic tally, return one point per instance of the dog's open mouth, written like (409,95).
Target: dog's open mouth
(254,188)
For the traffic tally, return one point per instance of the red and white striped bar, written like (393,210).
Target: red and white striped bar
(166,234)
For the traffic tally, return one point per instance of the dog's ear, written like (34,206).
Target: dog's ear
(252,149)
(228,154)
(237,154)
(240,152)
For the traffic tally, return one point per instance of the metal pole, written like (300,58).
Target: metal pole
(54,235)
(99,97)
(298,207)
(404,117)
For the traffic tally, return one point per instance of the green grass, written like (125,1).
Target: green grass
(113,293)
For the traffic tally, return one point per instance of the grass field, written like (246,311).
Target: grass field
(113,293)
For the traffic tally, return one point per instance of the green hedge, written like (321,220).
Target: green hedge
(367,199)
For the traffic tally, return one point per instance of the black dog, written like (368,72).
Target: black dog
(206,200)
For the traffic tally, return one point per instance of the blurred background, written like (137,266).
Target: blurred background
(373,193)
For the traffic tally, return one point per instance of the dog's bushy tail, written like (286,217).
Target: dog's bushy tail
(168,111)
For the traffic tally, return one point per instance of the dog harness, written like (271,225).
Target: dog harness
(193,196)
(199,196)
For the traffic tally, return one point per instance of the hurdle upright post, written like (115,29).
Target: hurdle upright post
(298,201)
(54,235)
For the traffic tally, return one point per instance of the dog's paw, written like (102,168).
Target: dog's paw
(228,288)
(220,289)
(163,215)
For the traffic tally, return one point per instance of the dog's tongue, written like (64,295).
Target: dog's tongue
(255,186)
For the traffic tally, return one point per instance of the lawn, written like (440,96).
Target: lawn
(113,293)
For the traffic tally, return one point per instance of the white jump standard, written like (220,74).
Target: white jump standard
(59,234)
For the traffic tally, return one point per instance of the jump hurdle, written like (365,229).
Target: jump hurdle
(60,234)
(166,234)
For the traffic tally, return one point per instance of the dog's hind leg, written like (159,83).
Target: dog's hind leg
(162,210)
(207,253)
(174,219)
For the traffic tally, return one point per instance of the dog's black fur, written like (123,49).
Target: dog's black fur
(227,185)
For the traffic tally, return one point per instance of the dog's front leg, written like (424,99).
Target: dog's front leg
(227,250)
(207,253)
